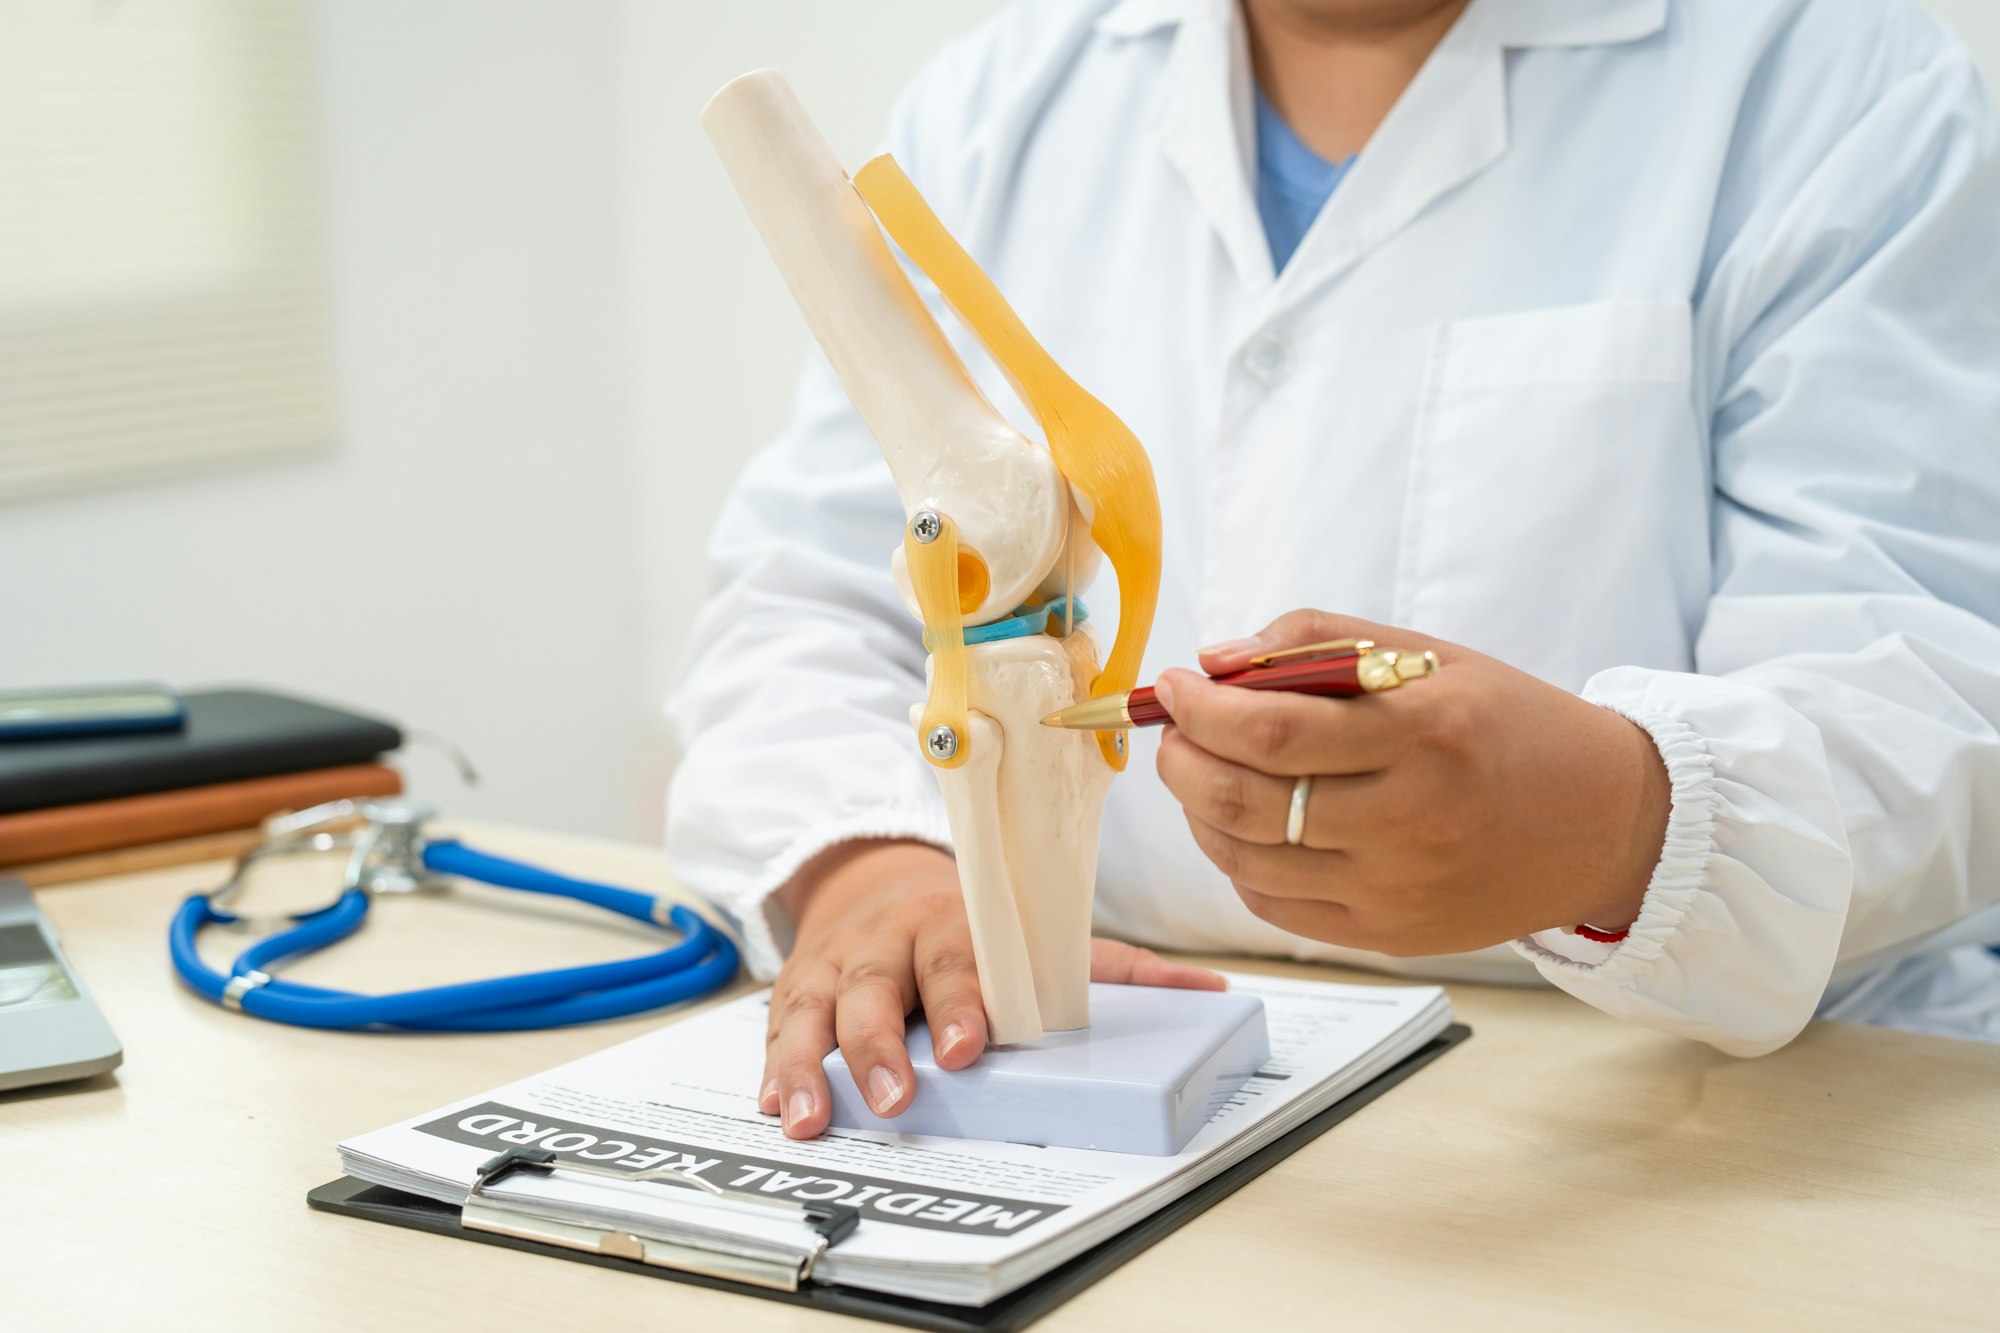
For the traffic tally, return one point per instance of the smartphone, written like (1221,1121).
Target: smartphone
(104,710)
(50,1031)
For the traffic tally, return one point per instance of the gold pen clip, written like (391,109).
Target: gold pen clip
(1378,668)
(1312,651)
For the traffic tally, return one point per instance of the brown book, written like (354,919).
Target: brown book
(131,821)
(135,860)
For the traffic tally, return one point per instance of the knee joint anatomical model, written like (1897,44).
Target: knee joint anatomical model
(1001,534)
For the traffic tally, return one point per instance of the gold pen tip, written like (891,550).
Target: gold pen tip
(1053,719)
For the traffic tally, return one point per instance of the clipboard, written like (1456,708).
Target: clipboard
(1015,1310)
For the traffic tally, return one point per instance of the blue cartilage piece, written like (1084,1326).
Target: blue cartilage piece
(1027,621)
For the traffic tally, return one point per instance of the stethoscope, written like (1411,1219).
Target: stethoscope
(389,854)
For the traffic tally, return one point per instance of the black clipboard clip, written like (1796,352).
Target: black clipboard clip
(830,1223)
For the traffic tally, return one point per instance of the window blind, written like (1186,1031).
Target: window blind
(162,297)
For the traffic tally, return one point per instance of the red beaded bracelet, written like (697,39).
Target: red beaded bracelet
(1601,936)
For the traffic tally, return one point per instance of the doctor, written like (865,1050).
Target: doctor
(1642,357)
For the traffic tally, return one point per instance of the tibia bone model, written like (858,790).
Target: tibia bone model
(999,528)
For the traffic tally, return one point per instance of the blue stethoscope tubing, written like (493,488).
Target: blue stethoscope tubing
(705,960)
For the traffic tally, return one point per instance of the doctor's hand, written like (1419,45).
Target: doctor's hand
(1458,811)
(881,929)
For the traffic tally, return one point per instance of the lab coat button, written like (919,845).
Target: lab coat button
(1266,358)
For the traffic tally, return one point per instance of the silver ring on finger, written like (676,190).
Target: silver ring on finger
(1295,820)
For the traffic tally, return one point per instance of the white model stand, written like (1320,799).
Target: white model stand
(1144,1077)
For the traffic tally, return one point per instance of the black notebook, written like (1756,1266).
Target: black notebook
(230,736)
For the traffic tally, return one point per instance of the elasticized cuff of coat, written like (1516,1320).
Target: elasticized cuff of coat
(1677,879)
(765,929)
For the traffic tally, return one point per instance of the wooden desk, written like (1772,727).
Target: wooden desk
(1557,1170)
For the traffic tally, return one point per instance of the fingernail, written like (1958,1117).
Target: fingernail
(1229,647)
(769,1096)
(799,1109)
(953,1034)
(884,1089)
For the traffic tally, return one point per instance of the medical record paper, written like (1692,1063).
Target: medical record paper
(961,1221)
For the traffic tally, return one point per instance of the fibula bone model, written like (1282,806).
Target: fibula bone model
(1001,534)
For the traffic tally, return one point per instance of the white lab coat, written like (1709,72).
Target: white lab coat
(1652,347)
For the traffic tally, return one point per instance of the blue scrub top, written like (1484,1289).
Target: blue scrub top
(1293,182)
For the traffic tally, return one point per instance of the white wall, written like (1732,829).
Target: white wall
(557,339)
(464,559)
(717,341)
(1978,24)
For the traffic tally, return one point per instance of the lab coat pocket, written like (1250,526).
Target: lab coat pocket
(1558,507)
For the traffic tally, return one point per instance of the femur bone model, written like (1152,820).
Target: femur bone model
(1001,533)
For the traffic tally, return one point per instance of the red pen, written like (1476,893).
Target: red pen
(1341,667)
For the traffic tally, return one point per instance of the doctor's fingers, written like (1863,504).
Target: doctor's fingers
(1279,872)
(1281,733)
(1120,964)
(948,983)
(799,1036)
(1256,807)
(875,993)
(1331,923)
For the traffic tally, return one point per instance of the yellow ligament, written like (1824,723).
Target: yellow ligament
(1092,448)
(934,577)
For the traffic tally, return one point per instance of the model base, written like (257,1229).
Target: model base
(1151,1069)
